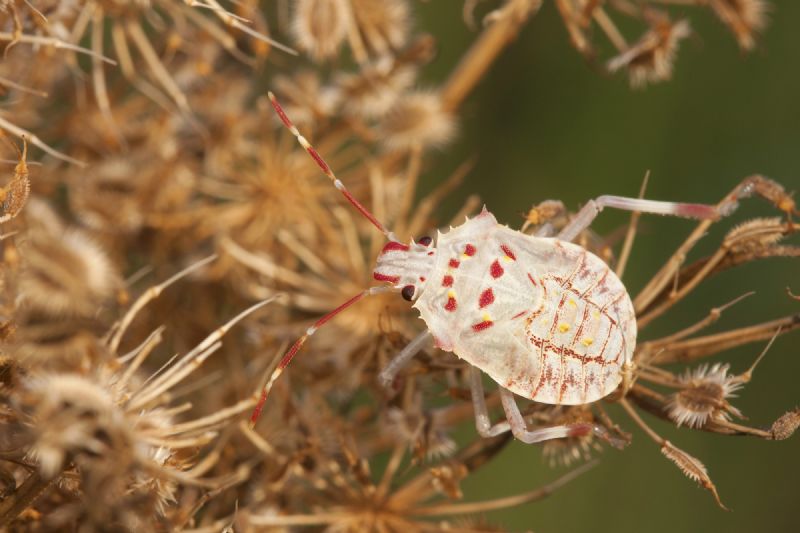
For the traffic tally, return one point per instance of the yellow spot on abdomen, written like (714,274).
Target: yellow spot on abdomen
(587,341)
(563,327)
(451,293)
(572,303)
(486,317)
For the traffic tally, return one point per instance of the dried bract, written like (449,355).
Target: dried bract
(692,467)
(744,17)
(651,59)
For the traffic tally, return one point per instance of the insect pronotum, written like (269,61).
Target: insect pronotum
(545,318)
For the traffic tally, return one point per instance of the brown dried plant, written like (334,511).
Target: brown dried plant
(170,206)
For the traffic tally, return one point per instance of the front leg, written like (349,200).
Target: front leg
(589,212)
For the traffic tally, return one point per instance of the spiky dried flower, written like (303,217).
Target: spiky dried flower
(417,119)
(704,395)
(651,59)
(744,17)
(320,26)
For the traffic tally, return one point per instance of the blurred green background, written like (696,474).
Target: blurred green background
(546,124)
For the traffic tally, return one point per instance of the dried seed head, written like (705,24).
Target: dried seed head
(320,26)
(691,467)
(704,396)
(65,273)
(786,425)
(744,17)
(72,416)
(566,451)
(417,120)
(447,479)
(384,24)
(374,90)
(754,235)
(650,60)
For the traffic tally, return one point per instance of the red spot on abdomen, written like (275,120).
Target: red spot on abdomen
(447,281)
(392,246)
(480,326)
(453,263)
(508,252)
(487,297)
(451,304)
(383,277)
(496,270)
(470,250)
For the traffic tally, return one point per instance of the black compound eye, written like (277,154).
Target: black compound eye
(425,241)
(407,292)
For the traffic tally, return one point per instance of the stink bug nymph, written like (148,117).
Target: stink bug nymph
(543,317)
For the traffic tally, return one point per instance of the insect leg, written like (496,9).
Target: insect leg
(387,375)
(520,429)
(482,422)
(589,212)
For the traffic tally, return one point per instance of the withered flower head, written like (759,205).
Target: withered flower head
(417,119)
(650,60)
(744,17)
(65,272)
(704,396)
(320,26)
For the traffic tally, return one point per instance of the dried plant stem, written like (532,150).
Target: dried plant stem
(705,346)
(33,486)
(484,51)
(36,141)
(630,235)
(508,501)
(147,297)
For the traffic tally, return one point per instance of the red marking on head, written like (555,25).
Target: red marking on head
(451,304)
(447,281)
(430,253)
(454,263)
(422,278)
(487,297)
(470,250)
(383,277)
(508,252)
(392,246)
(480,326)
(496,270)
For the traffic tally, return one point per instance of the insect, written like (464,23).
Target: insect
(543,317)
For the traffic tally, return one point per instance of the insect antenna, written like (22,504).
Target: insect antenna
(327,169)
(287,358)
